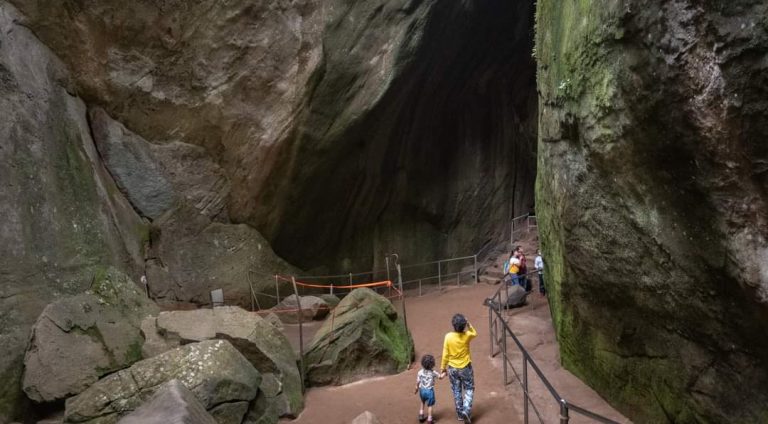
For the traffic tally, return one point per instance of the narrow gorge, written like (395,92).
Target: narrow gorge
(192,146)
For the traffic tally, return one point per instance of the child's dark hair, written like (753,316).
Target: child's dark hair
(459,323)
(428,362)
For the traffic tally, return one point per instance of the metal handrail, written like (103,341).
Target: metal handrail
(495,319)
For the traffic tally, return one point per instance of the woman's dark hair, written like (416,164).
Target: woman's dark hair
(459,323)
(428,362)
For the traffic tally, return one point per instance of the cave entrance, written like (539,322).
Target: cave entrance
(445,159)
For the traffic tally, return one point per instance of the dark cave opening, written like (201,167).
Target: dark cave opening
(441,163)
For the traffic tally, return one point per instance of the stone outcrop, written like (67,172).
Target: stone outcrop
(339,140)
(190,256)
(155,177)
(259,341)
(62,216)
(366,337)
(312,308)
(214,371)
(194,248)
(78,339)
(652,202)
(366,417)
(172,403)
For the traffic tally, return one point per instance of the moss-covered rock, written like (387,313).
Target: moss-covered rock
(214,371)
(63,218)
(652,205)
(78,339)
(365,337)
(263,345)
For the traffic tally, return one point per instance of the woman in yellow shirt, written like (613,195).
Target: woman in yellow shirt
(457,363)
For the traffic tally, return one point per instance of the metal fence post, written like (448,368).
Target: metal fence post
(277,289)
(525,389)
(504,351)
(350,278)
(564,412)
(490,326)
(477,278)
(301,332)
(419,287)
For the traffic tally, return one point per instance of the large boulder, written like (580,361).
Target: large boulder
(260,342)
(172,403)
(62,216)
(652,202)
(214,371)
(312,307)
(78,339)
(365,337)
(192,255)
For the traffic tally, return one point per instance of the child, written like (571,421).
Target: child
(425,386)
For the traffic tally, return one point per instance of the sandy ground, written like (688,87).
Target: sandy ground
(392,400)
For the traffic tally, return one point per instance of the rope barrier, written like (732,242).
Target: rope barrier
(385,283)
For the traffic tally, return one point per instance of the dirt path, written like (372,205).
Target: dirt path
(391,398)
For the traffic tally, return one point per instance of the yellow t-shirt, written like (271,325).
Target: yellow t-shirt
(456,348)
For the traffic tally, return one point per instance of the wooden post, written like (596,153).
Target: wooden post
(301,331)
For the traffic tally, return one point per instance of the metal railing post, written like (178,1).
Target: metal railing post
(564,418)
(504,352)
(419,287)
(525,389)
(350,278)
(490,327)
(301,332)
(477,280)
(277,290)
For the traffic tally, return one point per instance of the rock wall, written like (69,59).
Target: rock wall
(652,202)
(63,217)
(347,129)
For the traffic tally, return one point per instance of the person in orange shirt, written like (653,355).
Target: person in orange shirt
(457,363)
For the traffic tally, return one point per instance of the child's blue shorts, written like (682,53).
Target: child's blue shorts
(427,396)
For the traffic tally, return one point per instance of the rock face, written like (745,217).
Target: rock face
(652,202)
(312,307)
(155,177)
(63,217)
(259,341)
(172,403)
(190,256)
(78,339)
(214,371)
(366,337)
(339,140)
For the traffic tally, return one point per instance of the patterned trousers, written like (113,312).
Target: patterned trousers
(462,379)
